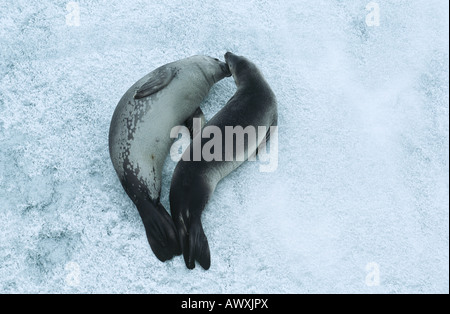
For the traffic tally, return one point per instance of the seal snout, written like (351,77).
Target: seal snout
(227,56)
(225,68)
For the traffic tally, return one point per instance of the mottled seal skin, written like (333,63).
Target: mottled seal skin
(139,137)
(253,104)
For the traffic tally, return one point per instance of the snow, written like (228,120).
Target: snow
(363,174)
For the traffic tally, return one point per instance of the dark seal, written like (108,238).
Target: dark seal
(253,105)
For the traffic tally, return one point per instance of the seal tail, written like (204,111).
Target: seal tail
(160,230)
(198,247)
(195,246)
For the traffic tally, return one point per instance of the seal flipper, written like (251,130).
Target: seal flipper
(159,227)
(193,241)
(198,247)
(160,230)
(157,80)
(195,246)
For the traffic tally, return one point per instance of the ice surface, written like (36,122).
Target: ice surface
(363,137)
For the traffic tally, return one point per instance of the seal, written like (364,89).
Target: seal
(139,137)
(253,105)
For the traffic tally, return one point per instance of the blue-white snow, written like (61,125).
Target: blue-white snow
(363,176)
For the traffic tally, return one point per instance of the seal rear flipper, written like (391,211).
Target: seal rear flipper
(161,232)
(158,79)
(194,244)
(198,248)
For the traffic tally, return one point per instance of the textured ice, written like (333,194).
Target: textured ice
(363,171)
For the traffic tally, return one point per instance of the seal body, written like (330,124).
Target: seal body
(139,137)
(253,105)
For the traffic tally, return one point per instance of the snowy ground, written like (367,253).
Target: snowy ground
(364,148)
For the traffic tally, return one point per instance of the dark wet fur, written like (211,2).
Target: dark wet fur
(188,197)
(194,182)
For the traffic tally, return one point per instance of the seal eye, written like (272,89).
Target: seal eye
(217,59)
